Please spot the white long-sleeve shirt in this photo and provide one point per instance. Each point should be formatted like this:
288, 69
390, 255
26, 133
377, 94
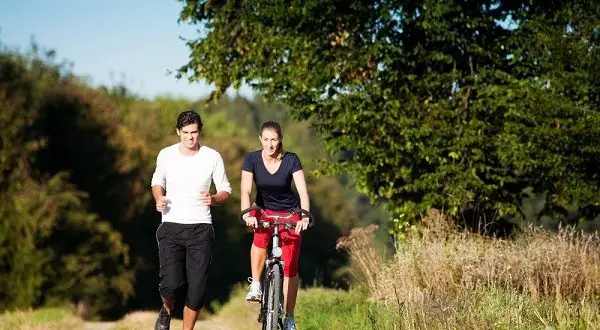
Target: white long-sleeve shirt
184, 178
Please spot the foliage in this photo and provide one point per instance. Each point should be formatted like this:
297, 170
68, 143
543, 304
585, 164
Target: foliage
459, 105
76, 214
53, 249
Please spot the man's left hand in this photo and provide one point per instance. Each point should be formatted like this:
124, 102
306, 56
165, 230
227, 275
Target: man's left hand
206, 198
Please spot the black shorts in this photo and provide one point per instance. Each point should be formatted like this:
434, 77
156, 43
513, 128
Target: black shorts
184, 253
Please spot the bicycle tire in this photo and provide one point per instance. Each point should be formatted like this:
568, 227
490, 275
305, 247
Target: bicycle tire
264, 299
273, 300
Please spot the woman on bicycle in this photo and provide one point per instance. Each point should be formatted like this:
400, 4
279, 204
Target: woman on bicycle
272, 170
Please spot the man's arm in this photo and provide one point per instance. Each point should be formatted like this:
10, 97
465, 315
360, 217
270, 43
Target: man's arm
219, 198
221, 183
158, 192
159, 182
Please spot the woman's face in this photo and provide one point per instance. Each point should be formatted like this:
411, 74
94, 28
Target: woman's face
270, 141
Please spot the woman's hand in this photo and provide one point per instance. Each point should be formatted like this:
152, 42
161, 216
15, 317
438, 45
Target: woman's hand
251, 222
301, 225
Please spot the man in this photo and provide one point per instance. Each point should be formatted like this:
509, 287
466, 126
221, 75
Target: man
180, 186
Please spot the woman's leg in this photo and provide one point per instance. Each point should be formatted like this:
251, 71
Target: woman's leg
290, 289
258, 257
258, 251
291, 252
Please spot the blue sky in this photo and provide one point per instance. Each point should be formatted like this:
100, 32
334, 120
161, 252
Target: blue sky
109, 41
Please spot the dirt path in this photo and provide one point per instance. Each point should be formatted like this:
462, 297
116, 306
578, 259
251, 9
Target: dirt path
98, 325
235, 315
175, 325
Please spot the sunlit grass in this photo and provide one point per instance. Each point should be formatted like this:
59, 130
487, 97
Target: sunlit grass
442, 278
50, 318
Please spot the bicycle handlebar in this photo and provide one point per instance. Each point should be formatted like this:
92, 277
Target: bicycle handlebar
311, 217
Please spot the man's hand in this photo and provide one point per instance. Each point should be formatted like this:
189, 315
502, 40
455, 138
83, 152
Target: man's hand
161, 204
251, 222
206, 198
301, 225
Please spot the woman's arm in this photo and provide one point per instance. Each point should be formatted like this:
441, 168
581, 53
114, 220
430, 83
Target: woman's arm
246, 189
300, 184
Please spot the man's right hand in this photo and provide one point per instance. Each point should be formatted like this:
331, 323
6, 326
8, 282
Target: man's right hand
251, 222
161, 204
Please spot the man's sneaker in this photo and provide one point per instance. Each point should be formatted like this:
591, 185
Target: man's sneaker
289, 323
163, 322
254, 291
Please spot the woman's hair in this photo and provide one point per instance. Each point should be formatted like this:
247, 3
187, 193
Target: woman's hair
273, 125
187, 118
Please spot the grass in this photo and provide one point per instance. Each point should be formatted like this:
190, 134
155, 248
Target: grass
317, 308
237, 313
326, 309
45, 318
441, 278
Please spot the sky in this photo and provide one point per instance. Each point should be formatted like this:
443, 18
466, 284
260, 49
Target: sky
134, 42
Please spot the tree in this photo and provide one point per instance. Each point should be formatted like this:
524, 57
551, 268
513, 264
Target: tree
52, 248
460, 105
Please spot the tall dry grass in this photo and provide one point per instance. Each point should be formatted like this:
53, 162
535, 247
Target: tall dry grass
444, 278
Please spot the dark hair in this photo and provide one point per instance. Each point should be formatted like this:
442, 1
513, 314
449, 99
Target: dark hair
188, 118
273, 125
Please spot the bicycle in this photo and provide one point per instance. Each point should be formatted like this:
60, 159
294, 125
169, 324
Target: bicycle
271, 302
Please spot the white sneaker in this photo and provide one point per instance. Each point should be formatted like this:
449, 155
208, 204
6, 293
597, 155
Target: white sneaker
254, 291
289, 323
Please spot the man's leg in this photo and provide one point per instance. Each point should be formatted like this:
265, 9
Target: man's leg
171, 254
199, 247
168, 304
189, 317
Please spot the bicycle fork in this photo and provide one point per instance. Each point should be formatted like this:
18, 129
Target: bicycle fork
273, 261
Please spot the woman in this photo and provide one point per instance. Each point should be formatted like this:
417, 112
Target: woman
272, 169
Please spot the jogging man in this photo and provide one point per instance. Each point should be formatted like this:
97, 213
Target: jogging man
180, 187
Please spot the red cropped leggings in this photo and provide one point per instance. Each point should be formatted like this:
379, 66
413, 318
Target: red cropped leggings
289, 241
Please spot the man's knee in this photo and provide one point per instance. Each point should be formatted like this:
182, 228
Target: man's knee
170, 286
195, 297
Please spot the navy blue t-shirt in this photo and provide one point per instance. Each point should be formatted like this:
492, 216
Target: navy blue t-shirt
274, 191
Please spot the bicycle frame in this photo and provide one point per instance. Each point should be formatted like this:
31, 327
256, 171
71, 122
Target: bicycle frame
272, 279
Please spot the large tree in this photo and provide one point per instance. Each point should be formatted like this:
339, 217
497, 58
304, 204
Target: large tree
52, 247
452, 104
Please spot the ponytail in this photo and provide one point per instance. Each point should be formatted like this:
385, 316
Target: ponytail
281, 151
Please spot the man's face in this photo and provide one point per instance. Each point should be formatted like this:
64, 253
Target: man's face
189, 135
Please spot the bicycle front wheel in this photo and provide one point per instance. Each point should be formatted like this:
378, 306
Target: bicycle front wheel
273, 299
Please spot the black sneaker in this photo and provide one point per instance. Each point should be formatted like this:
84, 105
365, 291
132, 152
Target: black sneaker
163, 322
